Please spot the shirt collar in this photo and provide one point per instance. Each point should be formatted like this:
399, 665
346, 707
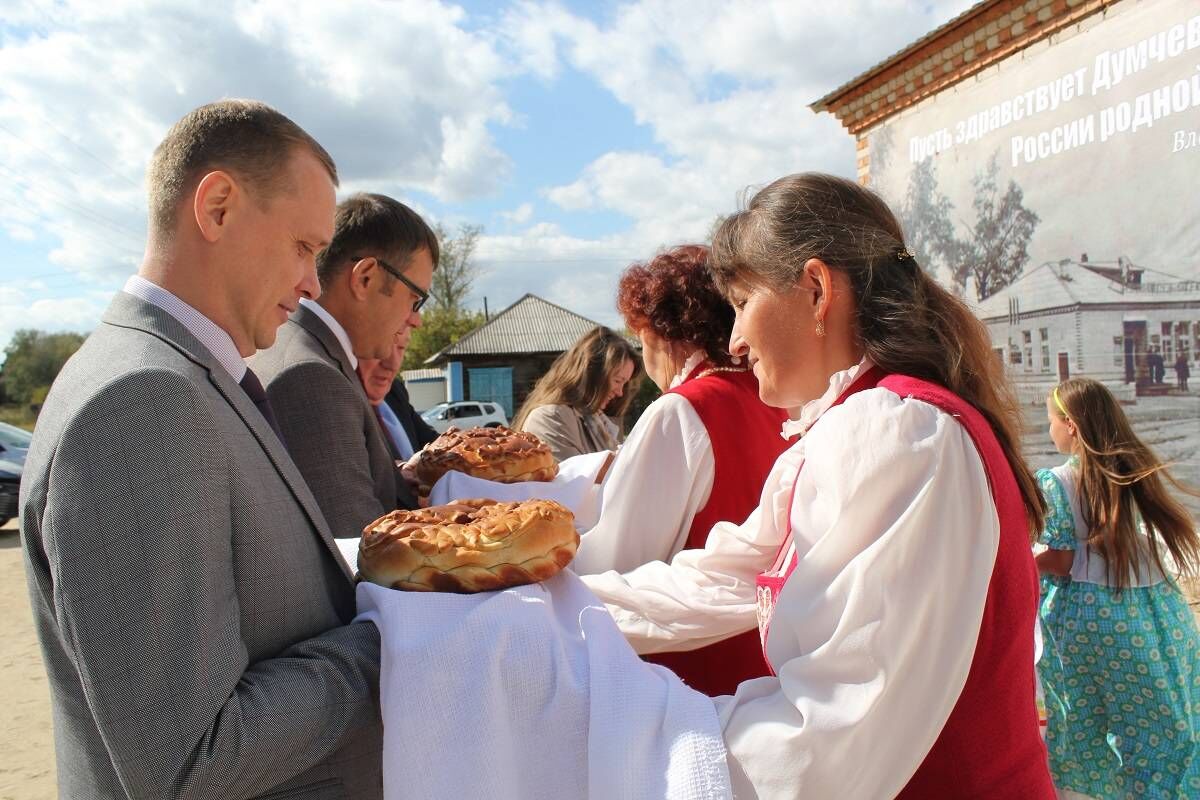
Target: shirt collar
338, 331
215, 338
693, 361
811, 411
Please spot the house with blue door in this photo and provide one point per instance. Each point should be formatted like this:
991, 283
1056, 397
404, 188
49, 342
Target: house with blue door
502, 359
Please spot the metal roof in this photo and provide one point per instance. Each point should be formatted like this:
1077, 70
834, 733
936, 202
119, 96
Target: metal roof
423, 374
530, 325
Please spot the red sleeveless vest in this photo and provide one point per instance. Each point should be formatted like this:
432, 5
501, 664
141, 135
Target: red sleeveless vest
990, 747
746, 440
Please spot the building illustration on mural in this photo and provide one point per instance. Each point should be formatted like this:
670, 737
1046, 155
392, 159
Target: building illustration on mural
1107, 321
1039, 155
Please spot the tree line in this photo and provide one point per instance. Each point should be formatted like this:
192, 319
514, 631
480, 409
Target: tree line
33, 358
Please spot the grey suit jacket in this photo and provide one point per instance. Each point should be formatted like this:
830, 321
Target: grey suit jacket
189, 597
329, 425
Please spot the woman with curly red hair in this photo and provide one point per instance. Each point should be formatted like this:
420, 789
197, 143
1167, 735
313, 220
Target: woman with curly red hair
698, 455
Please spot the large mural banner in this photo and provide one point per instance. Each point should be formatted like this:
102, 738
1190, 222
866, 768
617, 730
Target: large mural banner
1056, 191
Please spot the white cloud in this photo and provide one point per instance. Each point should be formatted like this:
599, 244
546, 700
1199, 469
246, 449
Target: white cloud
401, 94
405, 95
725, 88
578, 273
519, 215
80, 314
19, 232
575, 196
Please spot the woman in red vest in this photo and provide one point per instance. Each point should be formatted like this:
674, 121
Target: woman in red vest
888, 564
698, 455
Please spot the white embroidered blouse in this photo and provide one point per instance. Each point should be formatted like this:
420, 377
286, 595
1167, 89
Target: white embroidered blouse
874, 632
661, 478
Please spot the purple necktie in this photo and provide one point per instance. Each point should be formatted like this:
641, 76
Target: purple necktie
253, 388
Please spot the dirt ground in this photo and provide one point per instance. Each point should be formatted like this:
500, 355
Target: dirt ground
26, 740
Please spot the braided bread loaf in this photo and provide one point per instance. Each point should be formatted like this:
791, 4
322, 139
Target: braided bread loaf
494, 454
468, 546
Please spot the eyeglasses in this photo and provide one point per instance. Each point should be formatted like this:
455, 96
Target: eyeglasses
421, 294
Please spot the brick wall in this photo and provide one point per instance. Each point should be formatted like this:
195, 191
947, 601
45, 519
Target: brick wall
989, 32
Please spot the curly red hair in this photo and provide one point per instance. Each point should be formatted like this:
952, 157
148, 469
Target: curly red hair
674, 296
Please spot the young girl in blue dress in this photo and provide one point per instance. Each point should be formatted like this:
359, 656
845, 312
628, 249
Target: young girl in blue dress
1121, 664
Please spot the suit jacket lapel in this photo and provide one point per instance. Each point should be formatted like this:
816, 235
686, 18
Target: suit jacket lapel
317, 328
280, 458
128, 311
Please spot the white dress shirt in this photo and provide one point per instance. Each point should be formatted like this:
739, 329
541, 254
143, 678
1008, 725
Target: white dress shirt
662, 477
338, 331
874, 632
210, 334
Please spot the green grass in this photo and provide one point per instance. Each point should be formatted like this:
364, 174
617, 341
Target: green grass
21, 416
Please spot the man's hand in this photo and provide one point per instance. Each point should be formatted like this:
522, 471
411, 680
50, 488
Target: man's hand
408, 471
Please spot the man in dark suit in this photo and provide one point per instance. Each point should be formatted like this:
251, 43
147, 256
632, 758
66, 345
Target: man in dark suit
402, 426
192, 606
420, 432
374, 276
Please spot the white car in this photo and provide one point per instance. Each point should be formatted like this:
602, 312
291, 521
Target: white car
464, 414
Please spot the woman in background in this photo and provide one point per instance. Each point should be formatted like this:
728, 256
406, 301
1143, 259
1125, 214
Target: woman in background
698, 455
1121, 665
571, 407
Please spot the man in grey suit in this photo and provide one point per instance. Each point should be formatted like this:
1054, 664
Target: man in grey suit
374, 276
189, 597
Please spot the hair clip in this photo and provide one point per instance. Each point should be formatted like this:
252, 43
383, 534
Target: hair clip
904, 255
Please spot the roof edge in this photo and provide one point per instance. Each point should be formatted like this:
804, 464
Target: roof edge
433, 359
822, 104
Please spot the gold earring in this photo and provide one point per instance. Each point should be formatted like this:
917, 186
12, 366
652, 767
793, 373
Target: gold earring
820, 327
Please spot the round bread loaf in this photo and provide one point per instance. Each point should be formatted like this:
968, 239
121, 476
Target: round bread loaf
468, 546
494, 454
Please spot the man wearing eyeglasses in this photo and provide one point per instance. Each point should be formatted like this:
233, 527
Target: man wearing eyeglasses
374, 276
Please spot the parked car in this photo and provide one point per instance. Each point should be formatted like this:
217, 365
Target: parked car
464, 414
14, 444
10, 487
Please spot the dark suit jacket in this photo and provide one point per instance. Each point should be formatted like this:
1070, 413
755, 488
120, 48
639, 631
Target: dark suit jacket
418, 430
189, 597
329, 425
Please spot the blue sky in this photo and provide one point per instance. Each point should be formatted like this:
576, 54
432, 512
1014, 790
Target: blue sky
581, 136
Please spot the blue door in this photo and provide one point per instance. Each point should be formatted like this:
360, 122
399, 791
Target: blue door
494, 384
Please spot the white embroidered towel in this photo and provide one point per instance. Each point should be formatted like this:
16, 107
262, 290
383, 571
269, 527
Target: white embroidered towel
575, 487
533, 694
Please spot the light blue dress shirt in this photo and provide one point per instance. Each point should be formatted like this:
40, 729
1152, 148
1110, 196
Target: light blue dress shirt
395, 430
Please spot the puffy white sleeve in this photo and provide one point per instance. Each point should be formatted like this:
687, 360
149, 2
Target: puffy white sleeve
707, 594
874, 632
662, 476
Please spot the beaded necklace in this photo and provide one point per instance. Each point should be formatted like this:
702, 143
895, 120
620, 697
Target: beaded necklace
711, 370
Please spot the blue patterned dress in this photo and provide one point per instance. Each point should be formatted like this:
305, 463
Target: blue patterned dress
1120, 670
